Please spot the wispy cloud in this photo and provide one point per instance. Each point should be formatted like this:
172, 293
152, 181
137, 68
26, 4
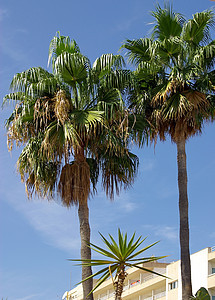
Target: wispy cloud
56, 224
148, 164
163, 232
168, 232
129, 206
125, 204
28, 297
127, 24
13, 53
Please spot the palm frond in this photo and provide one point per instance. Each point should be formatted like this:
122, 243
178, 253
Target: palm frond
108, 62
72, 67
138, 50
121, 253
197, 29
59, 45
36, 170
168, 23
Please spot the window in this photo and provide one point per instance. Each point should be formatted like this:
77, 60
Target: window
173, 285
213, 272
213, 297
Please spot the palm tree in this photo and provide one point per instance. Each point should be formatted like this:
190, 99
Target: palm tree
176, 94
69, 124
118, 256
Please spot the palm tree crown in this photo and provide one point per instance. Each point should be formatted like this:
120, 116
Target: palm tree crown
175, 71
73, 113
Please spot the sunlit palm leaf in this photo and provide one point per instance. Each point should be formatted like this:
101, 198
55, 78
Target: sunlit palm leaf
121, 253
197, 30
168, 23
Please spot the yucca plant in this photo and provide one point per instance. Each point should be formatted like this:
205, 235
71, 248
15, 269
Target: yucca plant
119, 254
201, 294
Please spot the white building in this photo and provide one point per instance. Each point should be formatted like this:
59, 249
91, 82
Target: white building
140, 285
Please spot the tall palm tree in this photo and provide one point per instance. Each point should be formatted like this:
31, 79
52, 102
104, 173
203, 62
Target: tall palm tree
176, 94
71, 125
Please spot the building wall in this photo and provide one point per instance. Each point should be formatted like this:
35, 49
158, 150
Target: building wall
140, 285
173, 271
199, 269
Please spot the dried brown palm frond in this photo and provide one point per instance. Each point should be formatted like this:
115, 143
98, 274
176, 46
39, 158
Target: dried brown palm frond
17, 136
18, 130
197, 99
74, 184
123, 124
180, 115
43, 109
177, 128
62, 106
34, 185
170, 88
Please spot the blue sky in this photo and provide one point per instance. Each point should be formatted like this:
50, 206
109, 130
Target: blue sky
38, 236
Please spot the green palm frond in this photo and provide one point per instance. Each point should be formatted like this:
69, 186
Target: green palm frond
197, 29
108, 62
59, 138
201, 294
59, 45
34, 81
86, 118
94, 172
16, 97
138, 50
119, 254
169, 50
38, 173
72, 67
110, 100
168, 23
205, 56
118, 171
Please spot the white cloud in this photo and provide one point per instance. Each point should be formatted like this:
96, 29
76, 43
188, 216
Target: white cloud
148, 164
58, 225
167, 232
127, 24
12, 52
163, 232
126, 205
129, 206
15, 54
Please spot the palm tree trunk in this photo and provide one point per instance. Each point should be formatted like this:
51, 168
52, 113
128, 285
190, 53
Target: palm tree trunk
184, 223
119, 284
83, 213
